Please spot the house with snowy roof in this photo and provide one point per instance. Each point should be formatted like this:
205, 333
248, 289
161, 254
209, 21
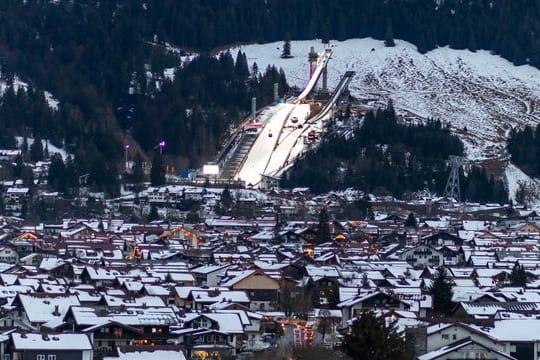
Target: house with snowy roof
204, 333
36, 310
61, 346
209, 275
201, 299
146, 352
262, 289
123, 326
363, 301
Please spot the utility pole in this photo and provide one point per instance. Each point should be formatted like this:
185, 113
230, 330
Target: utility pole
253, 109
161, 146
126, 148
452, 189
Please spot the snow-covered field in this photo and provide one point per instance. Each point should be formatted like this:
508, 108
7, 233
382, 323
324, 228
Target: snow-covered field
479, 95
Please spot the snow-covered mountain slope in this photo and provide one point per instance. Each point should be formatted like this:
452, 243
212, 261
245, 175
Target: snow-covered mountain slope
480, 95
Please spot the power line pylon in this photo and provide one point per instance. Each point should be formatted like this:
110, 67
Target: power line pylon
452, 189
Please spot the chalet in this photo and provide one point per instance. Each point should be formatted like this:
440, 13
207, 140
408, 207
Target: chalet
15, 197
466, 349
213, 331
354, 306
263, 290
290, 238
125, 326
107, 336
442, 238
423, 255
30, 346
8, 254
209, 275
32, 311
201, 299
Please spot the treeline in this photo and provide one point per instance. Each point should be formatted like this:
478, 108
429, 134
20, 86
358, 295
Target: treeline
386, 157
112, 89
524, 148
507, 27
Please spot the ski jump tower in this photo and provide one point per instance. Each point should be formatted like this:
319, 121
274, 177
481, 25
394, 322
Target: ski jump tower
312, 58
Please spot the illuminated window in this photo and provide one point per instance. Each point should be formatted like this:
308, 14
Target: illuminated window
117, 332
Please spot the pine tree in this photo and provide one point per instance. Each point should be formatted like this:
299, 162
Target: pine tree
323, 229
36, 150
226, 200
57, 173
286, 52
441, 291
370, 338
411, 221
153, 215
254, 71
157, 173
518, 276
389, 35
241, 65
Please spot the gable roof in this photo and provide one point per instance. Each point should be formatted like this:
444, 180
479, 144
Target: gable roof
439, 353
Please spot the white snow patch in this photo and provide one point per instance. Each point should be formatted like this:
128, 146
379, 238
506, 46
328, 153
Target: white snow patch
17, 84
169, 73
51, 101
52, 149
515, 177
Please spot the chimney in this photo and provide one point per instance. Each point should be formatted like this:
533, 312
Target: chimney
56, 310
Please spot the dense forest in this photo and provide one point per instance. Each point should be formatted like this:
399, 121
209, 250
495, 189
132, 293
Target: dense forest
114, 89
524, 148
387, 157
507, 27
109, 65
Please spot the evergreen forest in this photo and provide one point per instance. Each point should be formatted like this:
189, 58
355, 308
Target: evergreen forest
387, 157
524, 148
110, 64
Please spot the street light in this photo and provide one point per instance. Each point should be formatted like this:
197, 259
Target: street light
161, 146
126, 148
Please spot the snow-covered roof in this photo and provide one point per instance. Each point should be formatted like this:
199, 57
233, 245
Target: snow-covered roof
62, 341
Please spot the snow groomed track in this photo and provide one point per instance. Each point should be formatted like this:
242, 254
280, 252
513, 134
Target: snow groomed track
282, 135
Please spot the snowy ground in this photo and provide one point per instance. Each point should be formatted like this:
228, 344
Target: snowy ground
479, 95
517, 178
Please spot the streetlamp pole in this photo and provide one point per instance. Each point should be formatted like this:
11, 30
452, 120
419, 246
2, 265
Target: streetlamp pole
126, 148
161, 146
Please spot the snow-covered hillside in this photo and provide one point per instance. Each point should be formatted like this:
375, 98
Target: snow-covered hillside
481, 96
481, 92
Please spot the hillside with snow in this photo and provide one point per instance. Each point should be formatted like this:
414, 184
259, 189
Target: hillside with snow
479, 95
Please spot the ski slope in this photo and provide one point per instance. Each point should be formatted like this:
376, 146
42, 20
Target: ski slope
259, 156
290, 136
